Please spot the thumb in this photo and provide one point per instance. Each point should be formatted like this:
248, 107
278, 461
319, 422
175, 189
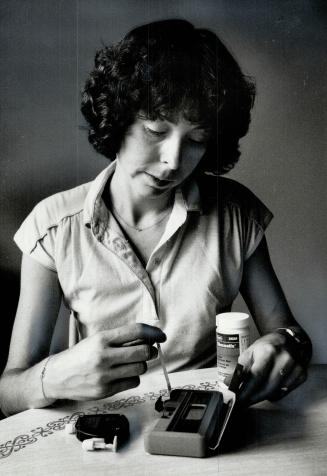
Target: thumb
246, 359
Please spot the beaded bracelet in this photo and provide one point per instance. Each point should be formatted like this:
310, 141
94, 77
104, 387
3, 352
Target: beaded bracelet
42, 377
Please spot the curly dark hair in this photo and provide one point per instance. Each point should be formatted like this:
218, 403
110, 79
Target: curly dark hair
163, 68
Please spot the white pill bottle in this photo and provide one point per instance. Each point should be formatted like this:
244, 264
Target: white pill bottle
233, 337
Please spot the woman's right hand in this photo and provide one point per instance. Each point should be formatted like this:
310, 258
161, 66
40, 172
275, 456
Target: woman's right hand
103, 364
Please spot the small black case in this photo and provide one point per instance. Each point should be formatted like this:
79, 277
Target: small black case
105, 426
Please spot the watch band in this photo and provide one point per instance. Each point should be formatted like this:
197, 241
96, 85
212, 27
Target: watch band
300, 344
290, 332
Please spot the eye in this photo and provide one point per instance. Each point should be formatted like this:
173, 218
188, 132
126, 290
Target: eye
153, 132
197, 141
198, 137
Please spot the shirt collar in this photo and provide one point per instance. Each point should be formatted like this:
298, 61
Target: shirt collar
191, 196
96, 214
94, 207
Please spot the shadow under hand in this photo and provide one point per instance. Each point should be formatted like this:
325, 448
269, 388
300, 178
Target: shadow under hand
257, 426
280, 423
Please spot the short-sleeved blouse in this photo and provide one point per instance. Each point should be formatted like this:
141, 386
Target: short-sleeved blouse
193, 273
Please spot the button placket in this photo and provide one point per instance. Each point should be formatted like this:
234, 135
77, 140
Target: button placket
117, 244
121, 247
149, 310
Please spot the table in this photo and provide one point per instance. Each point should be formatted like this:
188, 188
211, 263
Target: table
288, 437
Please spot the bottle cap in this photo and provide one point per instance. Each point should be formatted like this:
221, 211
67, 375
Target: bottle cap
232, 320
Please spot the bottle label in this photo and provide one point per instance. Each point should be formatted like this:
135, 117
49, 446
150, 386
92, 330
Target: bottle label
229, 347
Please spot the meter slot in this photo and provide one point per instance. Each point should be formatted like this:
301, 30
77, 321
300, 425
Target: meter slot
191, 409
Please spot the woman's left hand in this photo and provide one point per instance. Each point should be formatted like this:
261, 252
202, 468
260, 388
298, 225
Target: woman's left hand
272, 370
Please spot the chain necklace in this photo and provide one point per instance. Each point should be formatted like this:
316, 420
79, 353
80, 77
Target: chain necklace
137, 228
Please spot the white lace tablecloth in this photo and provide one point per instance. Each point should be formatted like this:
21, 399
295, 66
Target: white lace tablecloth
288, 437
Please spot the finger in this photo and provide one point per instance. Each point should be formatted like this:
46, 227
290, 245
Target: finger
121, 385
246, 359
281, 369
296, 378
133, 342
134, 332
255, 377
124, 371
113, 356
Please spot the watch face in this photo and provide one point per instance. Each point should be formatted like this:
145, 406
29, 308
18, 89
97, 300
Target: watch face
293, 334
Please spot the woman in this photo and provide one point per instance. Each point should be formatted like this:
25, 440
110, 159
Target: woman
155, 236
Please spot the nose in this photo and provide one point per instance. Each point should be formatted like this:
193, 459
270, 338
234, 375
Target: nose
171, 153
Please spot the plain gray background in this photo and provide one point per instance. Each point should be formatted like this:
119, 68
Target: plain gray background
47, 48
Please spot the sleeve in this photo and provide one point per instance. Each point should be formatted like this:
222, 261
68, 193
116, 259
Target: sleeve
250, 213
255, 224
36, 236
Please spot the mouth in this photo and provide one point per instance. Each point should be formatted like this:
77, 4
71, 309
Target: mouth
160, 182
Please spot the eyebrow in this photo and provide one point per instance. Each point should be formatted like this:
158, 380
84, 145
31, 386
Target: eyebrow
162, 118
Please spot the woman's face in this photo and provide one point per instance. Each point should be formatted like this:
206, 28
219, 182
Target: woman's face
157, 155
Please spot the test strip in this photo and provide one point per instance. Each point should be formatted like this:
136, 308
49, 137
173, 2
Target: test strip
163, 365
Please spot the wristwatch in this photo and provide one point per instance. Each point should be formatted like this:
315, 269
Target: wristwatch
300, 346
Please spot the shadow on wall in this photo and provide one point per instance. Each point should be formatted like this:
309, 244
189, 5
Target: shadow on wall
10, 295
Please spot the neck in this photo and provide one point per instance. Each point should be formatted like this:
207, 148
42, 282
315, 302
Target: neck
137, 210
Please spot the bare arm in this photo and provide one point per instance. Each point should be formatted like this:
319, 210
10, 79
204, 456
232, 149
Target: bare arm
273, 366
39, 302
96, 367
